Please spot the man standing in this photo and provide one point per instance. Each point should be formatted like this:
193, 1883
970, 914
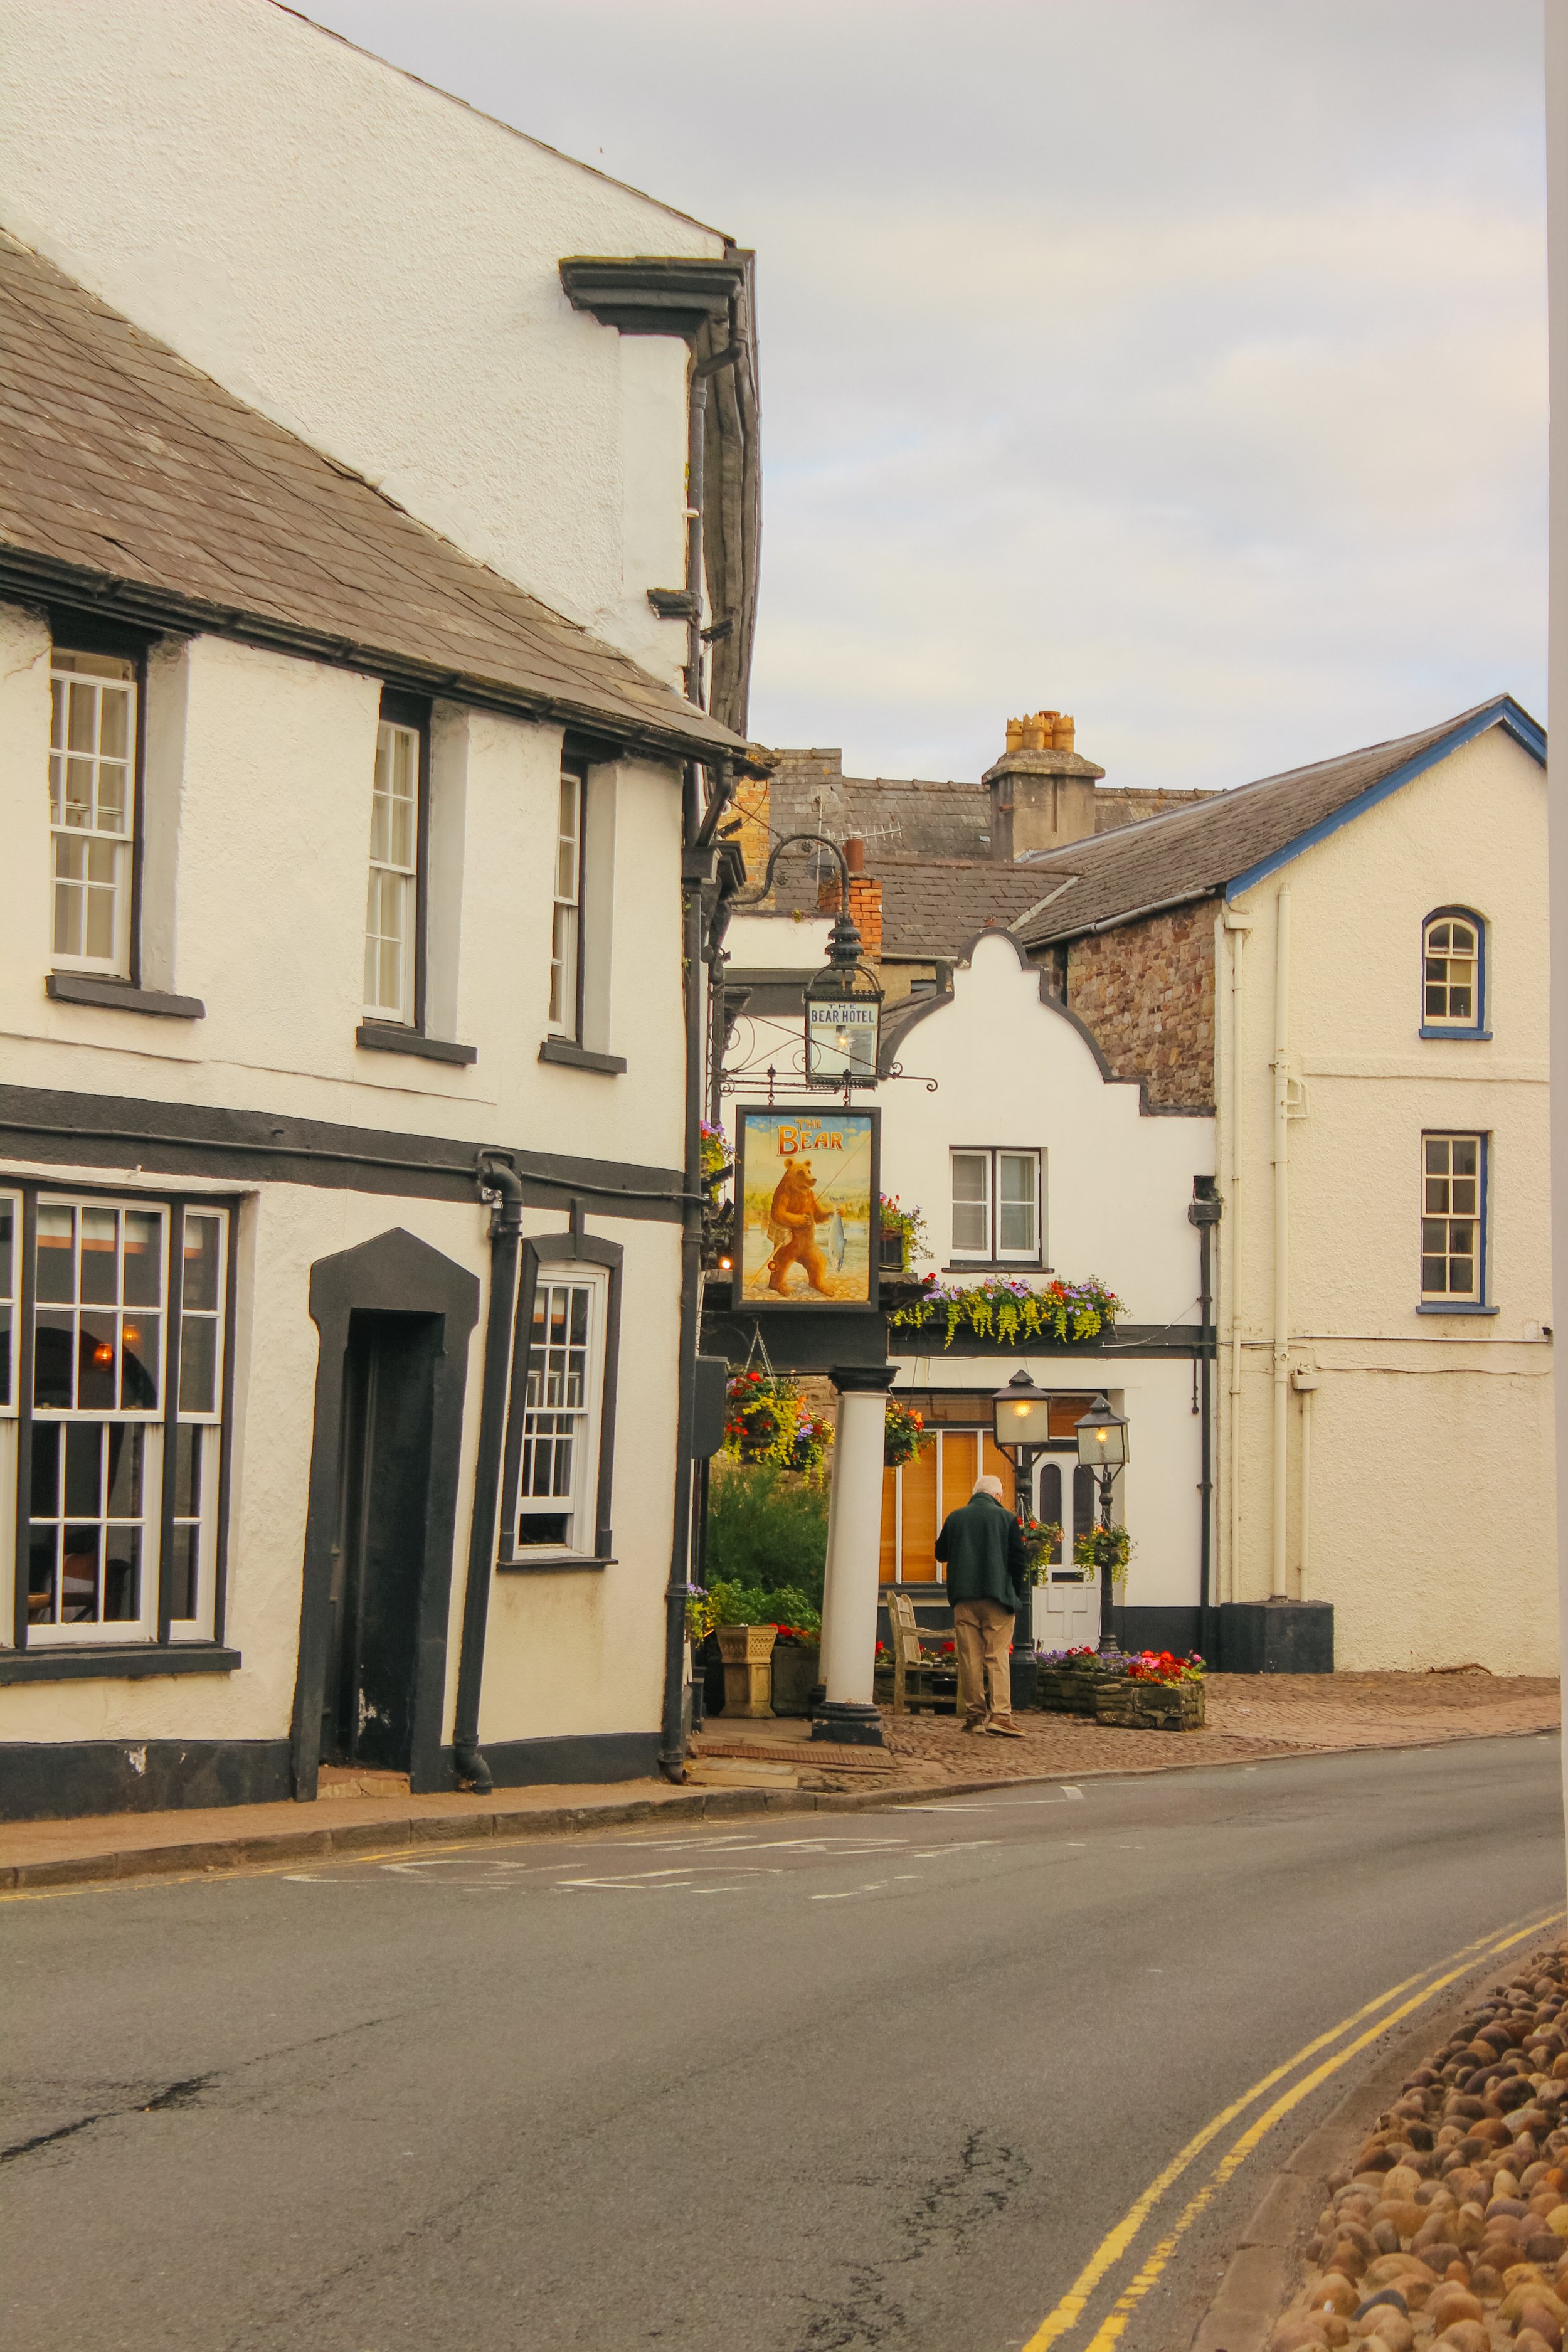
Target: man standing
987, 1583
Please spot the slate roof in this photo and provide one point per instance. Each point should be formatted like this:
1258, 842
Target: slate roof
931, 906
119, 462
1195, 852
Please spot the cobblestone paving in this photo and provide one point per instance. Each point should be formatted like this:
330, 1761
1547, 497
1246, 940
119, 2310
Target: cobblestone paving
1248, 1716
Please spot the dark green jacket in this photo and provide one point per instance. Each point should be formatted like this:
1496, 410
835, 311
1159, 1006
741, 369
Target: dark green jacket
983, 1544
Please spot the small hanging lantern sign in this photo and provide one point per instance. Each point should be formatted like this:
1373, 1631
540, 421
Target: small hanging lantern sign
843, 1016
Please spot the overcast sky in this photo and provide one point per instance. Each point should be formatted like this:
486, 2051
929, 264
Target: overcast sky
1179, 363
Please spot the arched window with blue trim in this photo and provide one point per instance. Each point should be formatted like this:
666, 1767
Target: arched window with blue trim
1453, 973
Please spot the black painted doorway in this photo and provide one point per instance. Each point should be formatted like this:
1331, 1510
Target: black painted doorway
378, 1546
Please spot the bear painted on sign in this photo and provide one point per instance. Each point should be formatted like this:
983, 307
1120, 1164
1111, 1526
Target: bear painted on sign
794, 1217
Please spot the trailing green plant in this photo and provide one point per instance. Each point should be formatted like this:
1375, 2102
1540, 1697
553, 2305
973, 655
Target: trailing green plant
903, 1433
702, 1616
716, 1155
766, 1529
1005, 1308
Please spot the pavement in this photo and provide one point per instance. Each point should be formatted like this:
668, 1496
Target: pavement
823, 2083
746, 1766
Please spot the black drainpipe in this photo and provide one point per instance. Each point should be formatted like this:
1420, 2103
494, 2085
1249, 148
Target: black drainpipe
673, 1749
1205, 1213
502, 1181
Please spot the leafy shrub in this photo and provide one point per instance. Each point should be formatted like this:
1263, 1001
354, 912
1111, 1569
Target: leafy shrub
767, 1531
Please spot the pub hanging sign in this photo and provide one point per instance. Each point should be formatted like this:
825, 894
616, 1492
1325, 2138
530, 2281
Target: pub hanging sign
807, 1189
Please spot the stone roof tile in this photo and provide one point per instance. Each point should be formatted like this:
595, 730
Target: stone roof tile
120, 461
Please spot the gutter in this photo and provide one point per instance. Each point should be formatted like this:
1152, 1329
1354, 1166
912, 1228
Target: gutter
1134, 915
42, 580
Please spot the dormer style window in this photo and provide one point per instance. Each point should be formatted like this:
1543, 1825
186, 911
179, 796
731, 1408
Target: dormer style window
93, 810
1453, 974
399, 824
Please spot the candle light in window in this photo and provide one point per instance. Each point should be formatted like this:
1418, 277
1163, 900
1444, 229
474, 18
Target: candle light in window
104, 1354
131, 1334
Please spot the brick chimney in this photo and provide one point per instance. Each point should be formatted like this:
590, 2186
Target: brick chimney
1042, 793
865, 899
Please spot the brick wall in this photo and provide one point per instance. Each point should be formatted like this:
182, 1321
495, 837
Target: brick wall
865, 909
1147, 992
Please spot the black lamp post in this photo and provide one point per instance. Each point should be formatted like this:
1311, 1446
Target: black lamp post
1021, 1424
844, 999
1102, 1448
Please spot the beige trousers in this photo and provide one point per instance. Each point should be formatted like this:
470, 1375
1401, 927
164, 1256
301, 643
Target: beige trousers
981, 1632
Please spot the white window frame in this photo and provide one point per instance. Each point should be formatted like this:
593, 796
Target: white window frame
993, 1157
61, 1633
90, 768
394, 882
565, 1009
1453, 1024
1436, 1197
581, 1503
206, 1422
205, 1417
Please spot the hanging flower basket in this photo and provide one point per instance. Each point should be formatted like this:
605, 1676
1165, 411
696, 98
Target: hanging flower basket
903, 1433
767, 1422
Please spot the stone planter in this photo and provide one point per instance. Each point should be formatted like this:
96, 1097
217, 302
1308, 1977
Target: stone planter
1115, 1701
1171, 1706
747, 1651
1061, 1693
797, 1669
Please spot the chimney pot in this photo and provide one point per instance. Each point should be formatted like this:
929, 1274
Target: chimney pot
855, 853
1035, 733
1014, 735
1063, 732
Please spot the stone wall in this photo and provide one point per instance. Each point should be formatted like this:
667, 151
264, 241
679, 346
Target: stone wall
1147, 992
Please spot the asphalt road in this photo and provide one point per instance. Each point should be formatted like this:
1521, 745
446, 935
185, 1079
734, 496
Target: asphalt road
804, 2084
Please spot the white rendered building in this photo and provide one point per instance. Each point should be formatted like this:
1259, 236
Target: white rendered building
348, 782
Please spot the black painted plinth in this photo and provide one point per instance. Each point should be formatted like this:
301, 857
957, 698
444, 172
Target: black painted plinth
847, 1724
1277, 1637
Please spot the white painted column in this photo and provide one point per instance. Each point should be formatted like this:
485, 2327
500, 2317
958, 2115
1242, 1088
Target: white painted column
854, 1559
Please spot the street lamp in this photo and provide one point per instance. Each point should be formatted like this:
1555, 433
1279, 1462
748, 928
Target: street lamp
1021, 1424
1102, 1448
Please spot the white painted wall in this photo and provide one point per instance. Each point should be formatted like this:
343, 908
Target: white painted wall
262, 783
574, 1653
1014, 1070
1431, 1480
373, 264
264, 839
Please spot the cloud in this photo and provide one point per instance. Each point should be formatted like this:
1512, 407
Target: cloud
1177, 361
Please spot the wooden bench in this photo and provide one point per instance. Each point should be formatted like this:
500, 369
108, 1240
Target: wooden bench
914, 1668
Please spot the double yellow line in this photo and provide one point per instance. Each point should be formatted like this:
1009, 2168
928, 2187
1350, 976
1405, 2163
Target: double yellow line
1388, 2010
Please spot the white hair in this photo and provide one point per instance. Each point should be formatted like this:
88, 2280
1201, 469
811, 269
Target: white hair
987, 1484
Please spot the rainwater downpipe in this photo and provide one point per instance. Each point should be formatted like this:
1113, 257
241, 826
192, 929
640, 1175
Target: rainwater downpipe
1281, 1065
696, 428
672, 1746
506, 1239
1238, 927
